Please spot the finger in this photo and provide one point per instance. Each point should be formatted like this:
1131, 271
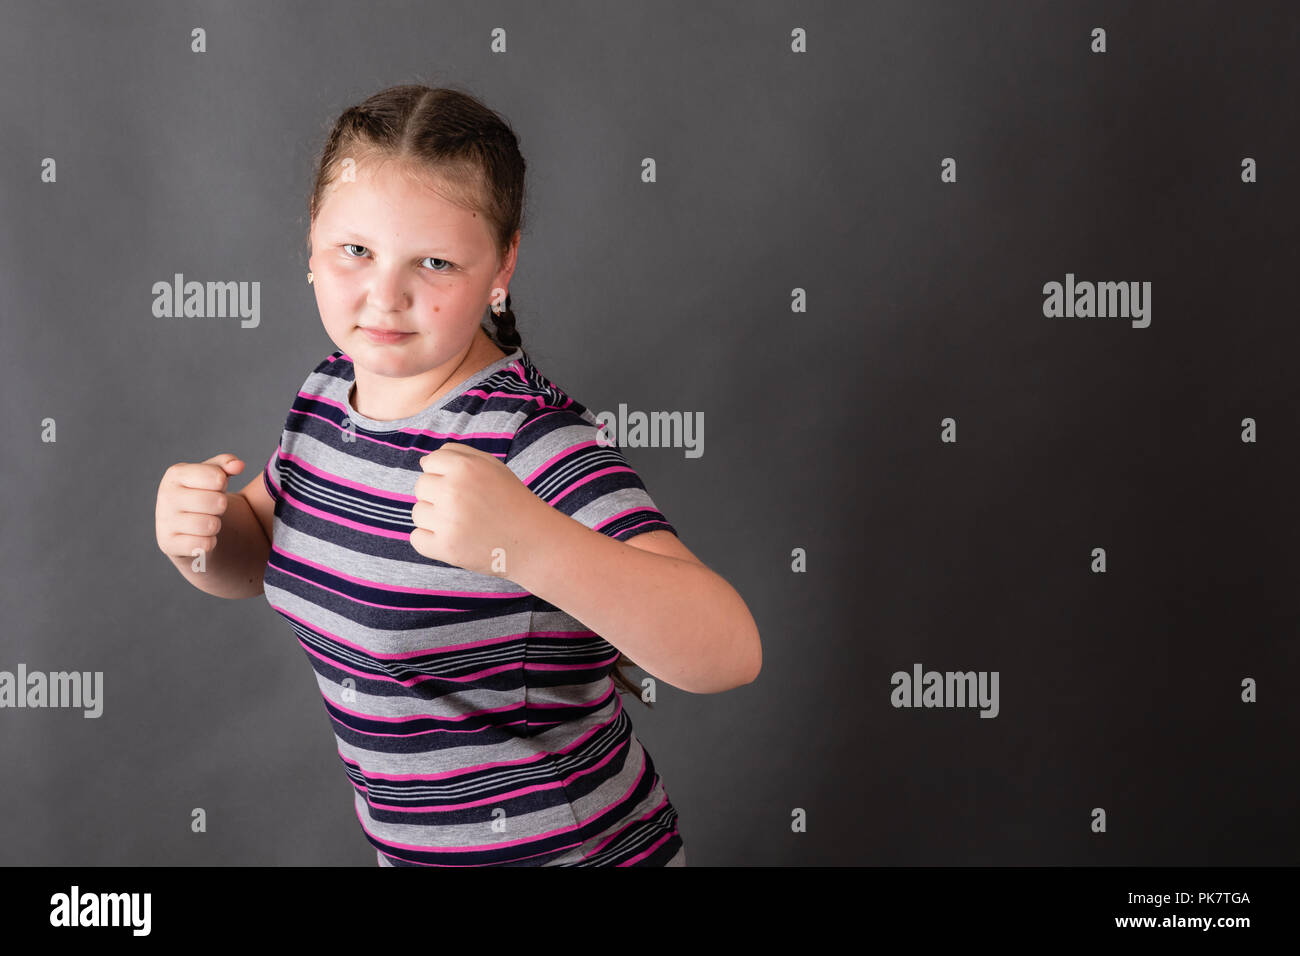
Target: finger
204, 476
203, 526
423, 541
426, 488
224, 459
448, 456
201, 502
463, 450
422, 515
230, 464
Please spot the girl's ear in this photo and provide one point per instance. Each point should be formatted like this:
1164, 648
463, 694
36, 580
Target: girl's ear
508, 263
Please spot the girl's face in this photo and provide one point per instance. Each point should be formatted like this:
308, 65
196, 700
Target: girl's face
390, 254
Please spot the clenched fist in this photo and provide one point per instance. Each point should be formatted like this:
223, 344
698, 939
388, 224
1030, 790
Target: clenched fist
191, 501
469, 504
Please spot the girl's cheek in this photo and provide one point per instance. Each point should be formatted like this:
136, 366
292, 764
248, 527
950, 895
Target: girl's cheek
339, 285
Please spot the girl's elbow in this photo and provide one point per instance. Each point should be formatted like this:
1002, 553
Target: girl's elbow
756, 660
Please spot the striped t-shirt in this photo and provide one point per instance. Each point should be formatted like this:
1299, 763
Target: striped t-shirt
477, 724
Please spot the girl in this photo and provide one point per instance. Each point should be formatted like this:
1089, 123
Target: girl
457, 548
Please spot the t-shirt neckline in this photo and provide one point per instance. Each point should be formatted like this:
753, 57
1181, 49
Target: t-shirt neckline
397, 424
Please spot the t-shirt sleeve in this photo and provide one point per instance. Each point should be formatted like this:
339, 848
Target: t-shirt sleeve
564, 459
275, 472
271, 474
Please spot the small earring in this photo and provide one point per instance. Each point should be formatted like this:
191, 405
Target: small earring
309, 278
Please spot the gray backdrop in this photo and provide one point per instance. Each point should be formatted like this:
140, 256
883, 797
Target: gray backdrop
777, 170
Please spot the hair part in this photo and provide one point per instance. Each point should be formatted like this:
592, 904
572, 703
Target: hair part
465, 152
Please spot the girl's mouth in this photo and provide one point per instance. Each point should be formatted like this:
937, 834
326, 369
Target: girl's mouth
383, 337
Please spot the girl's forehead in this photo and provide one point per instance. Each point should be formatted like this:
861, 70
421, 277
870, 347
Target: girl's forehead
413, 183
401, 173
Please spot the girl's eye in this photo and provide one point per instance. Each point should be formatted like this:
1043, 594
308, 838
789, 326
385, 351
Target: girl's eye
352, 245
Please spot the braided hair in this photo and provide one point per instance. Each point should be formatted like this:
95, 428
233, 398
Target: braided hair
503, 331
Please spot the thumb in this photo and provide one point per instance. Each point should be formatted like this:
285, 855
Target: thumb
231, 464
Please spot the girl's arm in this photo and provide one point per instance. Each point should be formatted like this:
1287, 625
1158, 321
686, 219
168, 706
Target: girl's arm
650, 598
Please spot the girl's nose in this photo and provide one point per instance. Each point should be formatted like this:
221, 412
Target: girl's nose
390, 293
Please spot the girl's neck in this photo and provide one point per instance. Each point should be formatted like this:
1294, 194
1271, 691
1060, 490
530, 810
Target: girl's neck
393, 407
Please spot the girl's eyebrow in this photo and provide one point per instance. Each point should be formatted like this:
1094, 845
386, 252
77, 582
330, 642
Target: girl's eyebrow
365, 240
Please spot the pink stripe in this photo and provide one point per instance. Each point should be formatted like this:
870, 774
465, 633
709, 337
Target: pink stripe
558, 456
610, 756
613, 518
401, 720
342, 666
524, 790
654, 846
378, 441
592, 477
512, 794
536, 788
406, 431
356, 526
614, 469
522, 761
270, 474
344, 482
465, 678
516, 368
439, 808
587, 735
480, 393
369, 438
486, 642
532, 666
438, 776
633, 527
405, 683
582, 633
397, 589
320, 587
459, 849
542, 417
397, 657
631, 823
